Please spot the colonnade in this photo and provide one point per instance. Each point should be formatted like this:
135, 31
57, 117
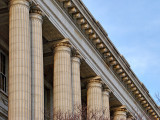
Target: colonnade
26, 81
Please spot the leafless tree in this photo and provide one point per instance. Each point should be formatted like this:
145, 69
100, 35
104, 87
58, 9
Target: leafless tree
79, 113
82, 113
158, 97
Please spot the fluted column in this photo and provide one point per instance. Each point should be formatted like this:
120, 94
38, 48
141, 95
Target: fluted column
94, 99
62, 88
76, 84
120, 113
106, 108
19, 61
37, 64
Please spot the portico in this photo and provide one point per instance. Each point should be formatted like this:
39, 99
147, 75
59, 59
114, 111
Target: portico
60, 60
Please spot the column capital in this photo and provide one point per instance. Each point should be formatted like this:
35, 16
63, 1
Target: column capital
36, 13
63, 42
76, 57
22, 2
120, 110
106, 91
94, 82
36, 9
76, 54
62, 45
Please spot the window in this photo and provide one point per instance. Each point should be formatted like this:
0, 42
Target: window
2, 72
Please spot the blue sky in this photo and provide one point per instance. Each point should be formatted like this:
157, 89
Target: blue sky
134, 28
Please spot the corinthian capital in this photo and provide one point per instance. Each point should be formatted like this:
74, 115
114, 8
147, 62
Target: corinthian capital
75, 53
63, 42
21, 2
35, 9
121, 108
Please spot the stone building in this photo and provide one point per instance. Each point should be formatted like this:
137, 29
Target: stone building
54, 56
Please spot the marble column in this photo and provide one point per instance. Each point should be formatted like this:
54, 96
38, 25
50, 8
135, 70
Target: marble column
76, 84
106, 107
62, 87
120, 113
94, 99
37, 64
19, 61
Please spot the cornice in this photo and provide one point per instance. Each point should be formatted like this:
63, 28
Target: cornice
99, 38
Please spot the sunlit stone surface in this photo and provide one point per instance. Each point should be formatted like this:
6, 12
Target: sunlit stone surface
19, 61
62, 79
37, 65
94, 98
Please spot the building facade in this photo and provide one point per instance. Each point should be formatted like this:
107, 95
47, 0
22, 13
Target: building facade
56, 60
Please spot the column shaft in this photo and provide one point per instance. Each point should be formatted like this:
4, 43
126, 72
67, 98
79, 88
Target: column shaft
19, 61
37, 67
76, 84
106, 109
62, 80
94, 99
